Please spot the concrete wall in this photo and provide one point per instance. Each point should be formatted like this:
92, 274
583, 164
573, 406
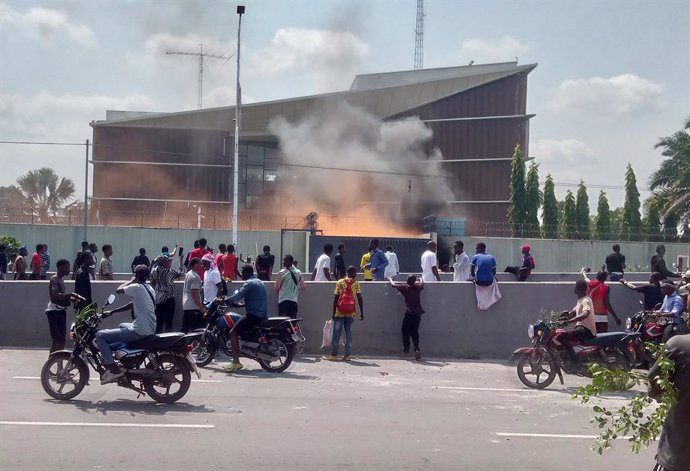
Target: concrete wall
451, 327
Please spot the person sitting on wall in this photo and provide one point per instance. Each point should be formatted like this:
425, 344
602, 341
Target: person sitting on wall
521, 273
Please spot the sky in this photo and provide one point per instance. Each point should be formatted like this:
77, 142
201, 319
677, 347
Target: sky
612, 76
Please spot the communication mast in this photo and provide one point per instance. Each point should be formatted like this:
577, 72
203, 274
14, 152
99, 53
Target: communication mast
201, 54
419, 37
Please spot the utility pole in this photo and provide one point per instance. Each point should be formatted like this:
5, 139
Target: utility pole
419, 37
86, 193
201, 54
236, 163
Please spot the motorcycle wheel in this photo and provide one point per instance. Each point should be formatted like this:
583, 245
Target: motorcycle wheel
280, 364
538, 365
204, 350
173, 383
63, 379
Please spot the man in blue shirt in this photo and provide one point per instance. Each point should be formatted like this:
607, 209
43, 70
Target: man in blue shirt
672, 307
256, 306
378, 261
483, 267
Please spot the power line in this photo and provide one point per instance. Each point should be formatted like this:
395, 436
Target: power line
44, 143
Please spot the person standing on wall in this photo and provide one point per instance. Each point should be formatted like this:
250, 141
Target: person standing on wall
19, 268
192, 308
393, 267
322, 268
365, 266
45, 262
429, 264
36, 263
411, 291
289, 282
162, 281
615, 264
264, 264
461, 264
378, 261
77, 259
56, 311
93, 250
105, 270
340, 267
222, 250
82, 280
658, 264
598, 292
230, 269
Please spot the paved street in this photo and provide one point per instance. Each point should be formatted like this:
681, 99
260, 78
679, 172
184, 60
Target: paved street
371, 413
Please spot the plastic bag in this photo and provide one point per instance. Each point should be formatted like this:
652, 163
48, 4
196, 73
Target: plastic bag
328, 335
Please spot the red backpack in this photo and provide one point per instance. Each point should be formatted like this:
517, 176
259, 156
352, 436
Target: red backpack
346, 300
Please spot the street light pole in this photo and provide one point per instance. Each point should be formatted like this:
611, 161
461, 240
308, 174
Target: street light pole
238, 103
86, 192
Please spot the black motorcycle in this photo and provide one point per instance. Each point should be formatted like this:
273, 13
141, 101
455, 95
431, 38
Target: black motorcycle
159, 365
272, 343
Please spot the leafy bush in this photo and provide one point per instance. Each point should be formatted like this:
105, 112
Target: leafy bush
11, 243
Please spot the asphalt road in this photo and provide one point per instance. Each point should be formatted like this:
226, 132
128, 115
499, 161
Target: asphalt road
372, 413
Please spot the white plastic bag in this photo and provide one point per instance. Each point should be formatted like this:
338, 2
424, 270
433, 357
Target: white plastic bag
328, 335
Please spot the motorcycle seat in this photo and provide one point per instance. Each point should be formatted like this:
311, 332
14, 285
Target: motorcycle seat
272, 322
608, 339
157, 342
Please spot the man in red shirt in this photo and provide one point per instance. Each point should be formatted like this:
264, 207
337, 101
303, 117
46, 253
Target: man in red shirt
222, 249
599, 293
229, 265
36, 263
199, 253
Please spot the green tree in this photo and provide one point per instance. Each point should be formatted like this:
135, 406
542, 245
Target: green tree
602, 223
670, 183
569, 223
582, 212
517, 209
45, 192
534, 198
550, 211
631, 223
11, 244
652, 220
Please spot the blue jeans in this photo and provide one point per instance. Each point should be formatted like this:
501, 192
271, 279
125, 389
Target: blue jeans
338, 324
107, 336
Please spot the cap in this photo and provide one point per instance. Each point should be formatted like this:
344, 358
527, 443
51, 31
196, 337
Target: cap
526, 246
23, 247
207, 258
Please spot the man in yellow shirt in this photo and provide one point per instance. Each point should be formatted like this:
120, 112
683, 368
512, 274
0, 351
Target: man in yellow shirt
344, 312
365, 267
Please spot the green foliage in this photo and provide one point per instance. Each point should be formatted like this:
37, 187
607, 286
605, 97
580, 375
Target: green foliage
640, 419
45, 193
83, 313
631, 223
582, 213
534, 198
517, 209
602, 223
652, 220
569, 223
550, 210
11, 244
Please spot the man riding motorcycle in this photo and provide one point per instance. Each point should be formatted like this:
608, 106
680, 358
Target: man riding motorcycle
256, 306
583, 316
144, 324
672, 307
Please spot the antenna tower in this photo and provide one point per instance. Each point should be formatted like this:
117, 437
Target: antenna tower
201, 54
419, 37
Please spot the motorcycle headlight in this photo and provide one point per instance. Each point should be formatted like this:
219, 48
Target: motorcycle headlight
628, 323
530, 331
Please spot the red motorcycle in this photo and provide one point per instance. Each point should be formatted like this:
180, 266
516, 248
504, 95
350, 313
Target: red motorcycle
548, 357
650, 327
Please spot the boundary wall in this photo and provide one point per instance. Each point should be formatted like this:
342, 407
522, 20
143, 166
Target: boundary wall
452, 326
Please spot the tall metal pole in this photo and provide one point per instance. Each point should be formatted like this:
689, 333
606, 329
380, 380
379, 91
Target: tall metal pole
86, 192
236, 164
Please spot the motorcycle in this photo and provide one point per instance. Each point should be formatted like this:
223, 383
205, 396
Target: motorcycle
548, 357
272, 343
159, 365
651, 328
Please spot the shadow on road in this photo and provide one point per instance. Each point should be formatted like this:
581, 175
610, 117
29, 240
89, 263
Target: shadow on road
133, 406
261, 374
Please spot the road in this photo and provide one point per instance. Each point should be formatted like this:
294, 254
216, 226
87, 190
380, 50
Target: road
372, 413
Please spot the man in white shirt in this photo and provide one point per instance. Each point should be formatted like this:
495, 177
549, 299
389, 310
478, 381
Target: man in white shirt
429, 262
322, 269
212, 281
393, 267
461, 266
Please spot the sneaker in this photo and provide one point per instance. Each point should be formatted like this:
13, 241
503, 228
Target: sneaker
405, 354
233, 367
346, 357
330, 357
417, 355
109, 376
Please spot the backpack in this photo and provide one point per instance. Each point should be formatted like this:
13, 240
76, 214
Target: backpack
346, 300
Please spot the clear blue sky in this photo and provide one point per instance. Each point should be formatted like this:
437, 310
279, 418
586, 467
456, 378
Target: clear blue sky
612, 75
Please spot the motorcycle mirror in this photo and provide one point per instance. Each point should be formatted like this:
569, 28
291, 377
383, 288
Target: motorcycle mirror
111, 300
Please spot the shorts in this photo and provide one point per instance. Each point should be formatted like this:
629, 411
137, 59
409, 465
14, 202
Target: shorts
247, 323
288, 308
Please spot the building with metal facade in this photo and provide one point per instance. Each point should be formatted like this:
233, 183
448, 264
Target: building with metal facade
161, 165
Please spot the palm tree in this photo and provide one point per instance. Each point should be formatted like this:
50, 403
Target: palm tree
671, 182
45, 192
